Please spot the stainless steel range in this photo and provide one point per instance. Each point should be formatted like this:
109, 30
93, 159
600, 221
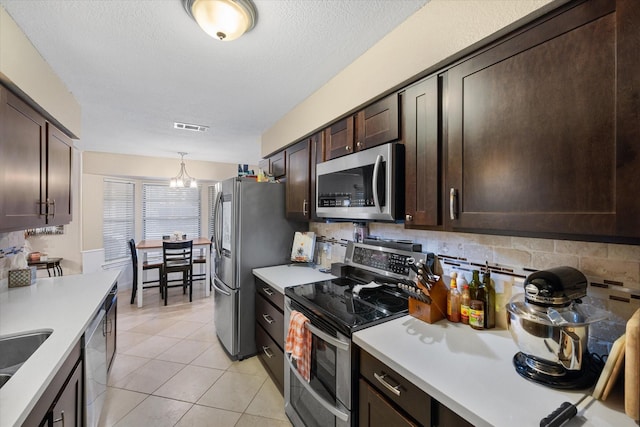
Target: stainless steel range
337, 308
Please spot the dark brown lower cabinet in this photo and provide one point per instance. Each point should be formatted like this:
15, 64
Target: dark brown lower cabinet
62, 403
376, 411
386, 398
270, 331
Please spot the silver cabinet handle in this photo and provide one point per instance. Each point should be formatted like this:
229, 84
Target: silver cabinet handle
53, 203
358, 144
60, 419
267, 291
305, 207
453, 195
268, 318
348, 148
382, 379
408, 218
267, 351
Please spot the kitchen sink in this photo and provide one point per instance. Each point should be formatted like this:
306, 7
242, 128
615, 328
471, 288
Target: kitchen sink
16, 349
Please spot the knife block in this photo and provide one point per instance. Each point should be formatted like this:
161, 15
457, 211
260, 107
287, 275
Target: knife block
435, 311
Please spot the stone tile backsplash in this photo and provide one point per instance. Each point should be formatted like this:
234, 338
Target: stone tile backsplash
613, 270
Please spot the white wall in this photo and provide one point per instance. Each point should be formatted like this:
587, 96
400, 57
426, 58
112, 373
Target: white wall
25, 71
440, 29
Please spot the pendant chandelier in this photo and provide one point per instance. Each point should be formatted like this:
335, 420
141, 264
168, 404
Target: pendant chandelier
183, 179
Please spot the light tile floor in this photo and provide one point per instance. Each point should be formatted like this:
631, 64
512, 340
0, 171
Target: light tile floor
171, 370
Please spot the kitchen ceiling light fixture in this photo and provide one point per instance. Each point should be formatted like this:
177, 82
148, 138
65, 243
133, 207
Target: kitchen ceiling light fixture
224, 20
183, 179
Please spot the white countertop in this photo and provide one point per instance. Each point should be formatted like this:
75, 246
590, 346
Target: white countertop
283, 276
471, 372
65, 305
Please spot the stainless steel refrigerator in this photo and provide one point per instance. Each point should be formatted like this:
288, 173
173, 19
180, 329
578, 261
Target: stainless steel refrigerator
250, 231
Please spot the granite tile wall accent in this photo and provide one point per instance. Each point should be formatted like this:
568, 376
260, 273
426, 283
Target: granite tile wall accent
613, 270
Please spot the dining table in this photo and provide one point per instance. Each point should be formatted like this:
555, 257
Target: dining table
144, 247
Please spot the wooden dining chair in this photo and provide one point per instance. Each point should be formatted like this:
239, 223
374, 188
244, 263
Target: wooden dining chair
201, 259
177, 258
146, 265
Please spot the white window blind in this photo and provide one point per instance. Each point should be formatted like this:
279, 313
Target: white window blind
212, 206
118, 218
165, 210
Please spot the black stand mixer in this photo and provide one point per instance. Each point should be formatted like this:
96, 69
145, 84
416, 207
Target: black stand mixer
550, 325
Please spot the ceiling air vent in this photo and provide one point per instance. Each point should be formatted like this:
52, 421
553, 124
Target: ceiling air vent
187, 126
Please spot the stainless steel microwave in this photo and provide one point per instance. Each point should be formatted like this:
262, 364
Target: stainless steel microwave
367, 185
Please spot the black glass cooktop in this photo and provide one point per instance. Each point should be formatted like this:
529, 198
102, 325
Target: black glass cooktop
334, 302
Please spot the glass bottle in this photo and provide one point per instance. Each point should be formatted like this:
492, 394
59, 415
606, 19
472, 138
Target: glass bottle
477, 306
474, 284
465, 299
490, 301
453, 300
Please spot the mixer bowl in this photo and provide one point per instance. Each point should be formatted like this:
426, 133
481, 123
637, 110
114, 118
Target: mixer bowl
556, 335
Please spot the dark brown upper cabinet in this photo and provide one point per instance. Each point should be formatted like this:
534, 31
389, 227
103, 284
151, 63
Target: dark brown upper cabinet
298, 190
35, 173
543, 129
376, 124
423, 171
340, 138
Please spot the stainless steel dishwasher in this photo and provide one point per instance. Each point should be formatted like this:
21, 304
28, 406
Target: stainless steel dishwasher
95, 380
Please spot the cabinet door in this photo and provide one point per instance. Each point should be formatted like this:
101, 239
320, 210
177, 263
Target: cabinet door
23, 166
67, 411
541, 130
422, 154
59, 157
339, 138
277, 164
297, 191
317, 156
378, 123
376, 411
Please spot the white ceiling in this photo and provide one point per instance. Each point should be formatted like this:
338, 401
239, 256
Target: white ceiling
138, 66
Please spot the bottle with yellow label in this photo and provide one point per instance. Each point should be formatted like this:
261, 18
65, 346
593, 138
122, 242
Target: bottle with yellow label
453, 300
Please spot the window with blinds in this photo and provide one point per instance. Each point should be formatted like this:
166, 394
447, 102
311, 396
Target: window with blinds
118, 218
166, 209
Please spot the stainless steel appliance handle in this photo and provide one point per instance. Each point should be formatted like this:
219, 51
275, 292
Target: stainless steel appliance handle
267, 291
217, 230
323, 335
575, 359
328, 338
376, 167
326, 405
222, 291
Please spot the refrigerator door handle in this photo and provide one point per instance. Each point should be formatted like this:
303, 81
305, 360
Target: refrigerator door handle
217, 227
219, 289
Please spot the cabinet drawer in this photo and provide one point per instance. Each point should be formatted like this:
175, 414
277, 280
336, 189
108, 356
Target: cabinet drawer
413, 400
270, 294
271, 319
271, 356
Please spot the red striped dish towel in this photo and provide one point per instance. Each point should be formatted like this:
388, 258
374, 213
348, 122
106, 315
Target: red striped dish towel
299, 343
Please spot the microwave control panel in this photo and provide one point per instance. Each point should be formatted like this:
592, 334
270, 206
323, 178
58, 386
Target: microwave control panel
340, 200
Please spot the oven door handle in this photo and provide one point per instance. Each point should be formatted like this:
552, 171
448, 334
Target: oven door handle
326, 405
342, 345
326, 337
